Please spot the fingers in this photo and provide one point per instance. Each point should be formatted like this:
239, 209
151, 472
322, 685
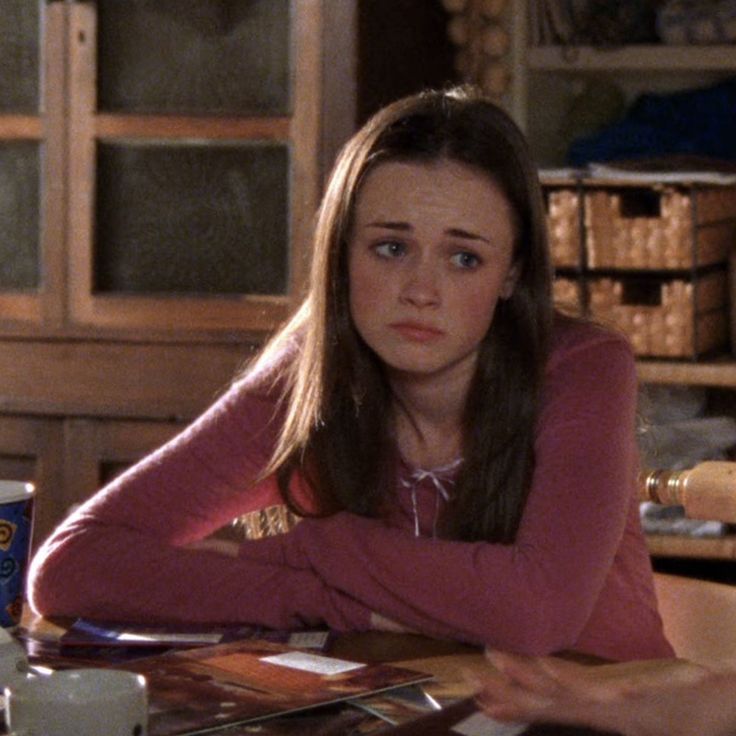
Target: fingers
518, 689
529, 673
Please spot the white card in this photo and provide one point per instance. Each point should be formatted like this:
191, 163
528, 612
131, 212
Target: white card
481, 725
312, 663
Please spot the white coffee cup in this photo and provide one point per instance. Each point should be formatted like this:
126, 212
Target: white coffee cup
81, 702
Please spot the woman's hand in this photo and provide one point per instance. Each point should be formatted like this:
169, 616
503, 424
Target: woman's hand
644, 698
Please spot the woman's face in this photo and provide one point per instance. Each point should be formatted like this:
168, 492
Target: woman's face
430, 255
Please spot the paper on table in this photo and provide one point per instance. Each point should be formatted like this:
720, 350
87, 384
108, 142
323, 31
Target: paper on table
312, 663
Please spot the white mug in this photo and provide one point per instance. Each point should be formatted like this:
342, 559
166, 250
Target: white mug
81, 702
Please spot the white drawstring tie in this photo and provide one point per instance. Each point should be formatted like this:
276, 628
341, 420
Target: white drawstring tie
438, 478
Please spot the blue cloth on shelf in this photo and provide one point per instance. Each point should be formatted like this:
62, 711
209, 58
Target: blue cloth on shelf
700, 122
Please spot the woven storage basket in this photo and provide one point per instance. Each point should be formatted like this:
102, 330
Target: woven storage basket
563, 226
667, 227
674, 318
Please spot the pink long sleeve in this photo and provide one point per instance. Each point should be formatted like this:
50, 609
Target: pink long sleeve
120, 555
578, 575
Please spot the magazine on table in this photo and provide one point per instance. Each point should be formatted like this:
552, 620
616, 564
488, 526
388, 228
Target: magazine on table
89, 642
196, 690
85, 632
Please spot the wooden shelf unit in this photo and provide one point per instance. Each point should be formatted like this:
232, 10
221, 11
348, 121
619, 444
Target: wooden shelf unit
644, 58
545, 80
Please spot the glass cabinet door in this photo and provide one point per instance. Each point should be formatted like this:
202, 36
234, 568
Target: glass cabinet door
21, 157
191, 127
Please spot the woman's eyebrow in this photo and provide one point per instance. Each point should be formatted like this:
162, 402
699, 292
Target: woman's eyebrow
389, 225
460, 233
456, 232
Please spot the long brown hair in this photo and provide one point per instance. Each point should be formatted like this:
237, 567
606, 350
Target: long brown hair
337, 431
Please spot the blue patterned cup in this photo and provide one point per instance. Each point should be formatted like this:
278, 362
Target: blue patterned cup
16, 522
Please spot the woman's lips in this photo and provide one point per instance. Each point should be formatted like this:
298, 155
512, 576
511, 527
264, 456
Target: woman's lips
416, 331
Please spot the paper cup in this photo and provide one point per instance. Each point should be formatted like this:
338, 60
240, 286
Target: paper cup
16, 522
82, 702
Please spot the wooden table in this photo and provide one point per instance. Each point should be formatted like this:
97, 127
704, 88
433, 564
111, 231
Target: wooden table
446, 661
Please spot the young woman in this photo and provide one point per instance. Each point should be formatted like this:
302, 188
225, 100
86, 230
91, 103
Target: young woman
462, 459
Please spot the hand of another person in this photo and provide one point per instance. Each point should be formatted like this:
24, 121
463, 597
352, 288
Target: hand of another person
642, 698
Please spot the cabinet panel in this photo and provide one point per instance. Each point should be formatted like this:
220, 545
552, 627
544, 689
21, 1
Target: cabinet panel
19, 56
32, 125
192, 219
230, 181
218, 120
19, 215
193, 57
69, 459
95, 451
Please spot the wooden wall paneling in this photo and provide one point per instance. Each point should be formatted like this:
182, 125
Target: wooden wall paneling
81, 476
115, 379
95, 449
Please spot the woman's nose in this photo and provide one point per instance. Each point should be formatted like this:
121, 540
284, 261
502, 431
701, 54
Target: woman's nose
421, 286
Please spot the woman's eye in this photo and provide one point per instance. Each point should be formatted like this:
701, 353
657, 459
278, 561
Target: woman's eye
390, 249
465, 260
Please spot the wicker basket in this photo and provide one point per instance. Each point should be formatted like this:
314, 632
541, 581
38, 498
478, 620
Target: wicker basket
670, 227
563, 227
674, 318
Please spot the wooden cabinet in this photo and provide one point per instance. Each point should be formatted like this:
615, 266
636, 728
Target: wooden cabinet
161, 167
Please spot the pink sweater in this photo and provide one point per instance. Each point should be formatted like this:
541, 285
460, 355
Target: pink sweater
577, 577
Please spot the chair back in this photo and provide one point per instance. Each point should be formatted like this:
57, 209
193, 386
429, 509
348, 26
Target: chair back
707, 491
699, 617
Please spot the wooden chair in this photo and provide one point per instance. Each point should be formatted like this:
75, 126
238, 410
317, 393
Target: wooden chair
699, 617
707, 491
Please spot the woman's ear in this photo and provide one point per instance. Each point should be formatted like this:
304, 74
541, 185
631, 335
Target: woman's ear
509, 283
